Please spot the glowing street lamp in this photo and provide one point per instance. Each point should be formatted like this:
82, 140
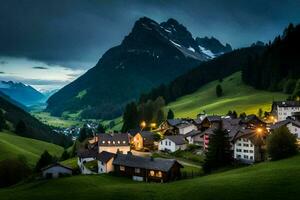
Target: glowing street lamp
259, 131
153, 125
143, 124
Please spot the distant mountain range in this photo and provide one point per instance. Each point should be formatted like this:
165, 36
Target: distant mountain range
151, 54
21, 93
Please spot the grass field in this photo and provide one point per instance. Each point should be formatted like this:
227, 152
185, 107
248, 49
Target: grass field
12, 146
237, 96
46, 118
271, 180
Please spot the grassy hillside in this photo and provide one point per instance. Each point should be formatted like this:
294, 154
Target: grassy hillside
11, 146
273, 180
237, 96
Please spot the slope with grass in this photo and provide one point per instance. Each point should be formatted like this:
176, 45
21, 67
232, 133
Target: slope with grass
271, 180
237, 96
13, 146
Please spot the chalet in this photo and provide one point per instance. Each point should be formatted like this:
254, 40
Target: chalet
142, 140
283, 109
172, 143
56, 170
170, 126
184, 128
249, 146
252, 122
291, 124
114, 142
146, 169
212, 121
195, 137
85, 156
105, 162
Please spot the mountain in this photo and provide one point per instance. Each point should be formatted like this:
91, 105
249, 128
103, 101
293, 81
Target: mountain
33, 127
151, 54
24, 94
212, 47
7, 98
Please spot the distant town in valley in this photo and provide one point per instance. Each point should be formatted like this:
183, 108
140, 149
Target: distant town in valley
149, 100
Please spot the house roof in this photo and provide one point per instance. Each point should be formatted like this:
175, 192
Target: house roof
55, 165
175, 122
286, 103
184, 125
284, 123
117, 139
177, 139
251, 135
192, 133
147, 135
213, 118
130, 160
105, 156
197, 121
87, 153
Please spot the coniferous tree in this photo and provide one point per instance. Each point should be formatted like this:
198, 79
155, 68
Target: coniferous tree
45, 159
219, 90
170, 114
218, 154
130, 117
84, 133
260, 113
160, 116
65, 155
281, 144
101, 128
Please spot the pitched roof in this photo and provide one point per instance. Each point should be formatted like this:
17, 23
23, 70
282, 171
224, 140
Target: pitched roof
105, 156
286, 103
56, 164
184, 125
251, 135
87, 153
117, 139
284, 123
175, 122
147, 135
177, 139
130, 160
192, 133
197, 121
213, 118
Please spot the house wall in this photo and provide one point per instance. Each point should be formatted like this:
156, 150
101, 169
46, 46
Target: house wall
105, 167
294, 129
187, 129
245, 151
169, 145
284, 112
138, 141
114, 149
83, 169
55, 171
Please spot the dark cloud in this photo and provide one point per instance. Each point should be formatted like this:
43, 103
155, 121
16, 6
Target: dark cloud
40, 67
76, 33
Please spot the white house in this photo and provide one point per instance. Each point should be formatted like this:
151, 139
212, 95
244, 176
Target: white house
105, 162
172, 143
118, 142
283, 109
186, 128
292, 125
56, 170
248, 146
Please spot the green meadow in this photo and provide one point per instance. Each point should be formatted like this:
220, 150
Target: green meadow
237, 96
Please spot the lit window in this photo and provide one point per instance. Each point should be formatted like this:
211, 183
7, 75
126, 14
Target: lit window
124, 142
108, 142
118, 142
137, 170
122, 168
103, 142
152, 173
114, 142
159, 174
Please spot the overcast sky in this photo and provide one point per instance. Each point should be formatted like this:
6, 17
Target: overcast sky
49, 43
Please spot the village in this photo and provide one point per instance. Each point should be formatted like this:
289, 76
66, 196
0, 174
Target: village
132, 154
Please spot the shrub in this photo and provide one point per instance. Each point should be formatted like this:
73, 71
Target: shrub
281, 144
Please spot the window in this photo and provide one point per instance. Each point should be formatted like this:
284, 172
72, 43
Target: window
238, 156
169, 143
122, 168
238, 150
159, 174
161, 142
103, 142
246, 157
251, 151
124, 142
246, 145
137, 170
239, 144
101, 170
152, 173
118, 142
108, 142
166, 143
251, 157
245, 151
114, 142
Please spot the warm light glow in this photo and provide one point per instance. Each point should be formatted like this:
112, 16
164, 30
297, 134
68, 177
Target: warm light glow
259, 130
153, 125
143, 124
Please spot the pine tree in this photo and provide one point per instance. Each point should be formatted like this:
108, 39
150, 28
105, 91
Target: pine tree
45, 159
160, 116
218, 154
83, 134
170, 114
101, 128
219, 90
130, 117
260, 113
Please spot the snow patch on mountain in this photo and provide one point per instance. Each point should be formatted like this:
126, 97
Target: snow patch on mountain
207, 52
